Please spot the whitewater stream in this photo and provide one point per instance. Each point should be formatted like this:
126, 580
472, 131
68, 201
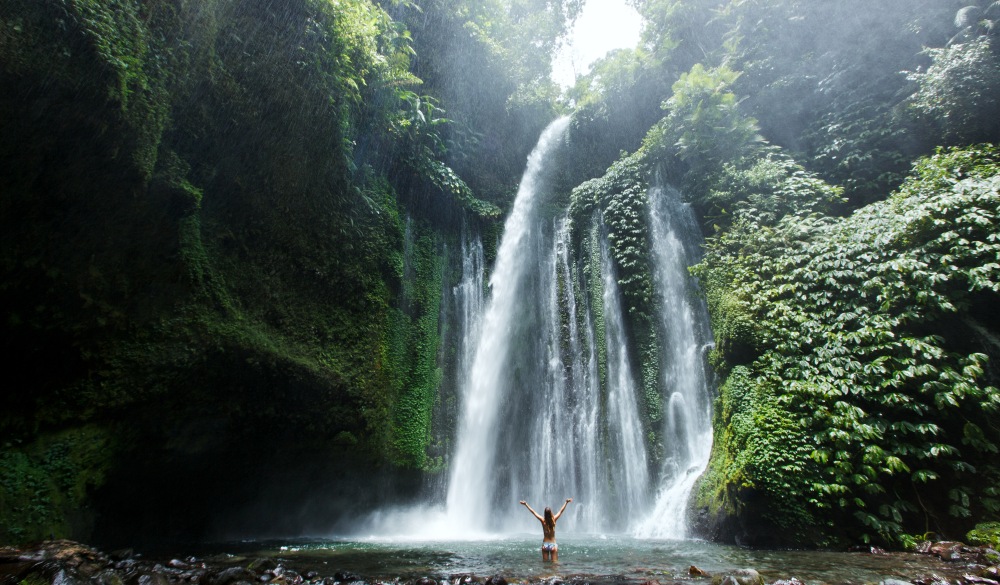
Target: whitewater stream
538, 418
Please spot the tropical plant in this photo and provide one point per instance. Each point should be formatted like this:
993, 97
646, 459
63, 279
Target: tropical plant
958, 93
868, 330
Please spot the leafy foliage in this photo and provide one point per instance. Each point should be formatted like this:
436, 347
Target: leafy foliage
958, 92
620, 197
704, 125
840, 314
42, 485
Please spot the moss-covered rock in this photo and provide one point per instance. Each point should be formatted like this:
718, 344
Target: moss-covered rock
985, 534
193, 243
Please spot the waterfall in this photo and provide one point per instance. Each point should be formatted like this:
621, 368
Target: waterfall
687, 429
469, 299
536, 422
480, 485
627, 450
548, 400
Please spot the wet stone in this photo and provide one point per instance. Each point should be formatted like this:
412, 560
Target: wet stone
153, 578
792, 581
259, 565
739, 577
107, 577
233, 575
977, 580
67, 577
947, 550
894, 582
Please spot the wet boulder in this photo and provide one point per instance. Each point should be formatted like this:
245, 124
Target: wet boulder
68, 576
107, 577
233, 575
151, 577
739, 577
947, 550
968, 579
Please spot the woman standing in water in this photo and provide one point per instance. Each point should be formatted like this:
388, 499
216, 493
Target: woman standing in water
550, 550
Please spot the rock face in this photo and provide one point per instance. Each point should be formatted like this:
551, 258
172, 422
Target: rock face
189, 266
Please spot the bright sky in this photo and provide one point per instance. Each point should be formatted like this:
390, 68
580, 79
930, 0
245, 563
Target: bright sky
603, 25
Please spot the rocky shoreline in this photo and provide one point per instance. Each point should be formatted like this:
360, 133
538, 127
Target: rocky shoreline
64, 562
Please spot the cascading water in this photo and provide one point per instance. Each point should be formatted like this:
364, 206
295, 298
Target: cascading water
687, 432
479, 482
469, 299
539, 419
534, 423
629, 468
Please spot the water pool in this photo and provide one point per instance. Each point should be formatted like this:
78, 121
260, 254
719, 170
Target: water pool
581, 558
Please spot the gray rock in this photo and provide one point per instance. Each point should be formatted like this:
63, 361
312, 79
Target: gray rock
739, 577
107, 577
152, 579
67, 577
232, 575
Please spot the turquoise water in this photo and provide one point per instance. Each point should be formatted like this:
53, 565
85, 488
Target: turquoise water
590, 558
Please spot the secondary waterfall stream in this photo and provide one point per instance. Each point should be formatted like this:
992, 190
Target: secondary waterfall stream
537, 422
684, 321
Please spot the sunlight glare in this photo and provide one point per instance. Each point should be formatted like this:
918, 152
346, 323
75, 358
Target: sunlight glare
604, 25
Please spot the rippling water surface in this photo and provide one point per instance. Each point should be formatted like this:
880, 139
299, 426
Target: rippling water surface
594, 558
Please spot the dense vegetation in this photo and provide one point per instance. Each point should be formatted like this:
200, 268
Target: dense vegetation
227, 228
856, 330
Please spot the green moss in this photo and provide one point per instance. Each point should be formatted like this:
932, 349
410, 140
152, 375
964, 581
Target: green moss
595, 284
986, 534
44, 486
33, 579
417, 342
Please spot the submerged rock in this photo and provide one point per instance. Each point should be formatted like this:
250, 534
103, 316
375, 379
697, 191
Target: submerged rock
739, 577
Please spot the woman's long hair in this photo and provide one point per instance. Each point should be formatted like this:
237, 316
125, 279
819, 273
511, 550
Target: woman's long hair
549, 520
